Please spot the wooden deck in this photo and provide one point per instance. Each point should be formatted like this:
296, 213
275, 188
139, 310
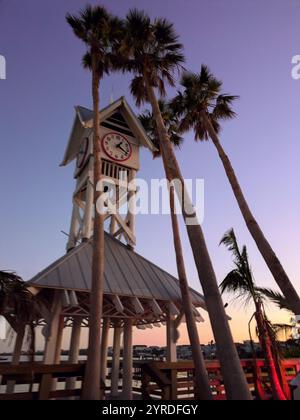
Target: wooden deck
151, 380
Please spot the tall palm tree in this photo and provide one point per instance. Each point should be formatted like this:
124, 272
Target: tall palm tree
240, 281
202, 387
202, 106
99, 31
152, 52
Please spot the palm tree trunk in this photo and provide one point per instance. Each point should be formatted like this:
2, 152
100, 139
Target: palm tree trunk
266, 344
234, 379
91, 388
202, 387
262, 243
259, 389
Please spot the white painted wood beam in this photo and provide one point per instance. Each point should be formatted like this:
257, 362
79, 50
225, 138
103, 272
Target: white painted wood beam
138, 307
73, 298
118, 304
155, 307
65, 299
173, 309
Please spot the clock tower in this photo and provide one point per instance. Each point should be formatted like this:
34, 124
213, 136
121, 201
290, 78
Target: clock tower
121, 136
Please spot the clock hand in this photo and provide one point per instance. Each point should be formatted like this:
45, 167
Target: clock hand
121, 148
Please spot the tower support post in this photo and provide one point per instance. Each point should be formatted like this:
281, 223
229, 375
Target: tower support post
132, 201
88, 212
73, 228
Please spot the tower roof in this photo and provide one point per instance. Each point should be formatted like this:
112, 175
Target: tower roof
126, 274
118, 114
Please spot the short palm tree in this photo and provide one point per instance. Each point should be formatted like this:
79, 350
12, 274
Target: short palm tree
152, 52
201, 106
99, 31
240, 282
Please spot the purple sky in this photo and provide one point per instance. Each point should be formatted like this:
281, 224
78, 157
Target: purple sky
248, 44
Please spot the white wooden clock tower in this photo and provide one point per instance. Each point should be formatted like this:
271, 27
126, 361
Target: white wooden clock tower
121, 135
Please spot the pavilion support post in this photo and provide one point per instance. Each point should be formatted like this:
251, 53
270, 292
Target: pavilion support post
52, 345
172, 352
53, 331
74, 348
115, 373
127, 360
171, 338
59, 338
104, 348
58, 346
16, 357
88, 212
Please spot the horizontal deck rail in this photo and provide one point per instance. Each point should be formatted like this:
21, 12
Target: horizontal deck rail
151, 380
175, 380
42, 377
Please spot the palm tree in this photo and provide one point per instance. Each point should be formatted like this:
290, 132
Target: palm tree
240, 281
201, 106
152, 52
202, 387
98, 30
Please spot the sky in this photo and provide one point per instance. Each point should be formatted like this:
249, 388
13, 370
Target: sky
248, 44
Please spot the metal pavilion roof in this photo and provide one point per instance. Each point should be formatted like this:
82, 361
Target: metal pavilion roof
126, 274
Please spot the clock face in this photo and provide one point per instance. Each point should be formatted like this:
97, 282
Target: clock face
116, 147
82, 154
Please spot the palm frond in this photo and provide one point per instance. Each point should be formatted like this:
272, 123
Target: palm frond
240, 280
171, 123
101, 32
201, 93
150, 49
234, 282
275, 297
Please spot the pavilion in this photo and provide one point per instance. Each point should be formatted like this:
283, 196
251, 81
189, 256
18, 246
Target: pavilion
137, 294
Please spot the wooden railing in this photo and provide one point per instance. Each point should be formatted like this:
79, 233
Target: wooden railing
151, 380
171, 381
39, 380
